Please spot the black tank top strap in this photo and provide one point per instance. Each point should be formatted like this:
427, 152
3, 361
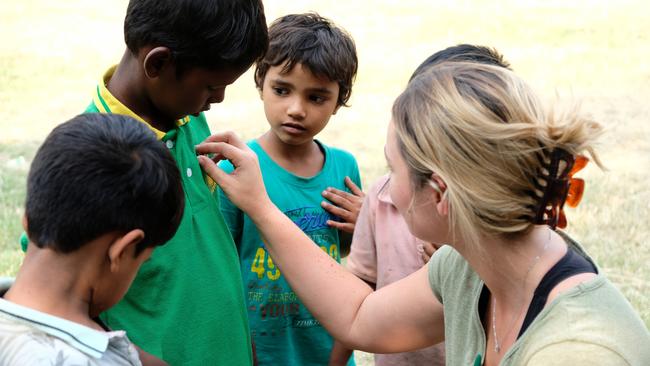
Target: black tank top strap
571, 264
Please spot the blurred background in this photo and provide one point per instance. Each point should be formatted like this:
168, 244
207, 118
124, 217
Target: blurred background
594, 53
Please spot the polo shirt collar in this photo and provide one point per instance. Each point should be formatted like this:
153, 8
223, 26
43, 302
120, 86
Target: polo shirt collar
383, 192
87, 340
107, 103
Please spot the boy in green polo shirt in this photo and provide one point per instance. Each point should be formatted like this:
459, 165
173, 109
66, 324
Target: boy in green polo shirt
186, 304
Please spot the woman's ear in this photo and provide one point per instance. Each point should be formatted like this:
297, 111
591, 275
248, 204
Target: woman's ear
439, 185
124, 245
155, 61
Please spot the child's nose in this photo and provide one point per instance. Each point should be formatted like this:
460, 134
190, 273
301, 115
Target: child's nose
296, 109
217, 96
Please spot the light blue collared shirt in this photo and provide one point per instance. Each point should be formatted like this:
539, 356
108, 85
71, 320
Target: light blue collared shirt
31, 337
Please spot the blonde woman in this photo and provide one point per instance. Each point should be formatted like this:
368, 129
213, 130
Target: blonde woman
478, 163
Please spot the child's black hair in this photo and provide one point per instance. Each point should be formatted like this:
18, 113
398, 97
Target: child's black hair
316, 43
200, 33
463, 52
102, 173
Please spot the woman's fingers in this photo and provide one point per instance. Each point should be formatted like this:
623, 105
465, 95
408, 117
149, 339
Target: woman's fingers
228, 137
244, 185
211, 169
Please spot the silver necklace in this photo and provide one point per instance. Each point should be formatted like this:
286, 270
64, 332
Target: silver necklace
497, 345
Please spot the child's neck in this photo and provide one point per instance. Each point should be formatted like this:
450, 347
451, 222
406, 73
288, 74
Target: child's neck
305, 160
42, 285
127, 85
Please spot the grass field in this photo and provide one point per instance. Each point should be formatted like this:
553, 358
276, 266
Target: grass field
590, 52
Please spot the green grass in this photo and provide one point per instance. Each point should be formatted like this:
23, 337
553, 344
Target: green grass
14, 163
593, 52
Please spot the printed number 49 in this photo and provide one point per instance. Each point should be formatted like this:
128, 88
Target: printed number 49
258, 267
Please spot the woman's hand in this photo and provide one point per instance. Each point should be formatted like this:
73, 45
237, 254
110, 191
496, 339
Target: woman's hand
244, 186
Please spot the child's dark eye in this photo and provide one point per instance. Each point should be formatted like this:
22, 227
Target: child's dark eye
318, 99
280, 91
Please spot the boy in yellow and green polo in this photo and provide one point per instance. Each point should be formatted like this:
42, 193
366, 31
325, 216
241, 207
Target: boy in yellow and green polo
186, 304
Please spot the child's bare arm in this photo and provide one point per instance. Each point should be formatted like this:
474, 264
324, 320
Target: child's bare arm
427, 251
345, 242
339, 355
400, 317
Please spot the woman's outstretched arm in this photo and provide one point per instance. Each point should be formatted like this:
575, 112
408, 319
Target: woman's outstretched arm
400, 317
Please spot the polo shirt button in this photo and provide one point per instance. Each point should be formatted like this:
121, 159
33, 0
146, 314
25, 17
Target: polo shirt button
189, 172
169, 144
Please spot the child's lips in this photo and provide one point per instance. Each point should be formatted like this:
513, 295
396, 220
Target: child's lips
293, 128
204, 109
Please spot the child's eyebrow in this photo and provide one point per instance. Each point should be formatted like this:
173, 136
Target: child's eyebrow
286, 84
320, 90
281, 82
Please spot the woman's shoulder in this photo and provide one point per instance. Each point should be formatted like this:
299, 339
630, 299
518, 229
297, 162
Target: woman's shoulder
450, 276
593, 315
577, 353
448, 259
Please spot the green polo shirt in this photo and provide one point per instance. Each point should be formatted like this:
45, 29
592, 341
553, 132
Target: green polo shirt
186, 305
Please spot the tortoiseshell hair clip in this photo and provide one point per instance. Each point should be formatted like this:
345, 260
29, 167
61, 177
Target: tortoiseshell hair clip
557, 186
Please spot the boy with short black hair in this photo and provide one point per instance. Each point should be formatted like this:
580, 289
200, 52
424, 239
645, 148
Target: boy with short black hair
305, 77
186, 305
102, 193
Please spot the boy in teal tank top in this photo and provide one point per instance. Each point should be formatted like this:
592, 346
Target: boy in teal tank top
186, 305
303, 80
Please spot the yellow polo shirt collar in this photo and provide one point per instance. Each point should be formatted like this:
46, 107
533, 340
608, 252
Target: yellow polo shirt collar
107, 103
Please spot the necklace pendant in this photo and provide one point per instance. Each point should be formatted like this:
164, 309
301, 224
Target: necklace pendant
497, 348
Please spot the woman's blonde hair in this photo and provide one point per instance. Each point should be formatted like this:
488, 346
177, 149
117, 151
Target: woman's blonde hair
485, 133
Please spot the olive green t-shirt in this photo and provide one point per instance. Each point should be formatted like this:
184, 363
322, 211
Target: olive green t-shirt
590, 324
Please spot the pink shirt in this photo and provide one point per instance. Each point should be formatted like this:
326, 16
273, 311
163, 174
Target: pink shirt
384, 251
